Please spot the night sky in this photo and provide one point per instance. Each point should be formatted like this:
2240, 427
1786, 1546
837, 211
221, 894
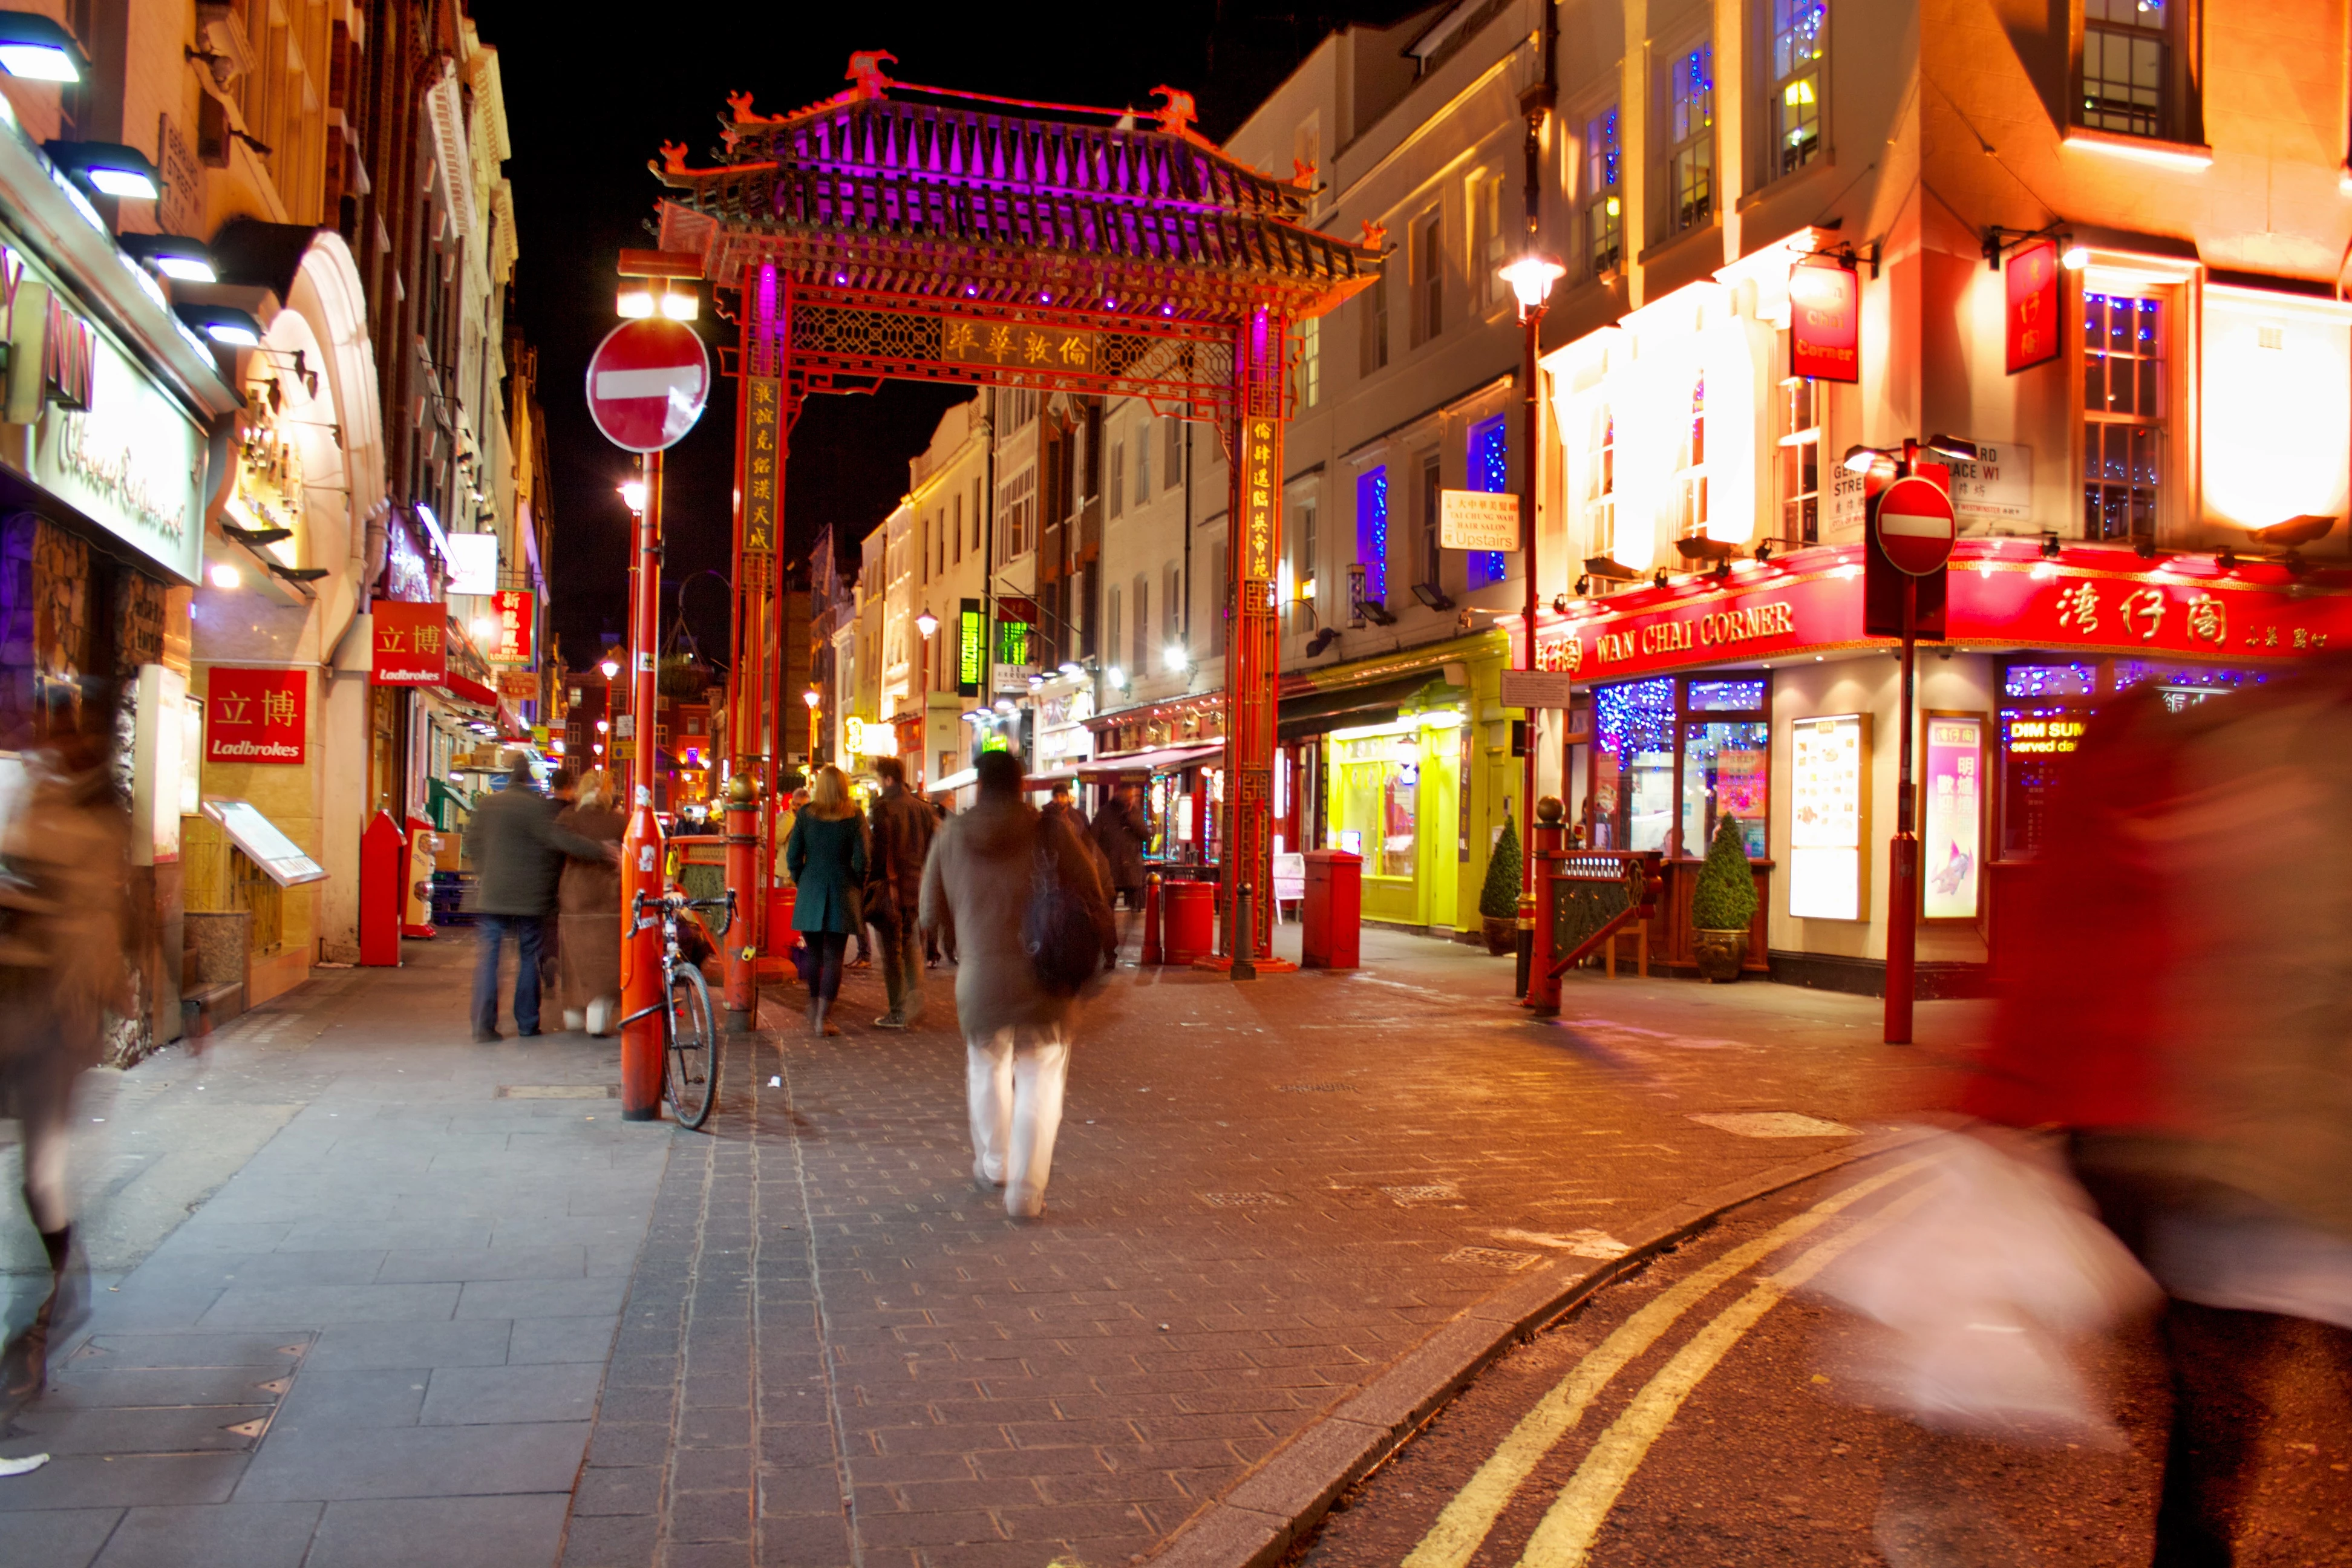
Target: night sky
584, 129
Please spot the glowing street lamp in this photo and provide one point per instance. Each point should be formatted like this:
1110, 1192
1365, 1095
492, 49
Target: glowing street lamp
927, 623
1530, 277
611, 667
633, 493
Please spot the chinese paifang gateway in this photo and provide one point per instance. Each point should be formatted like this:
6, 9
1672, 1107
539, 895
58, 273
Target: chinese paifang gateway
1754, 695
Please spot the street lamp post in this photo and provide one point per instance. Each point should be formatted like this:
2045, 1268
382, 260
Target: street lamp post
641, 844
1530, 277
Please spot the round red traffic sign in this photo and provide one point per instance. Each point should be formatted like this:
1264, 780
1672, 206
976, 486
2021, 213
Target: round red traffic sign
647, 383
1916, 525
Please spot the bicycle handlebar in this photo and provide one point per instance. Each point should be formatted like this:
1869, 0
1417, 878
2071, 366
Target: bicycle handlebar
675, 902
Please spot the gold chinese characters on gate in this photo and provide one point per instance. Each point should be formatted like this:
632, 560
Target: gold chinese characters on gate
763, 453
1257, 457
1016, 347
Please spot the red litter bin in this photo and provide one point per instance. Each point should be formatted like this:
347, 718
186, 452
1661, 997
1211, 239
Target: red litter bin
1333, 922
1188, 920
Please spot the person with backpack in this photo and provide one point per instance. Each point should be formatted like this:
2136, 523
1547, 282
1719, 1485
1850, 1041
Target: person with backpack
1017, 896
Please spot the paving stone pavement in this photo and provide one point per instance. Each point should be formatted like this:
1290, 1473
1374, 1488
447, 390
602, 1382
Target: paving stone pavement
356, 1304
837, 1350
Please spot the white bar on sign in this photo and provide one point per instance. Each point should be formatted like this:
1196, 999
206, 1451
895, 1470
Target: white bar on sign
1915, 525
614, 385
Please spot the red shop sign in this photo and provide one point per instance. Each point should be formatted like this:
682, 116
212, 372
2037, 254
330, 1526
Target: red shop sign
412, 644
2031, 279
2128, 613
1824, 322
1765, 622
255, 715
513, 607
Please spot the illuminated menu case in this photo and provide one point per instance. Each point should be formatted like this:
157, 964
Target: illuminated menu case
1828, 817
1952, 818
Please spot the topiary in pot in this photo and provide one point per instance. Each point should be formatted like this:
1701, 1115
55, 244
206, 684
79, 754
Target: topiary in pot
1724, 902
1498, 901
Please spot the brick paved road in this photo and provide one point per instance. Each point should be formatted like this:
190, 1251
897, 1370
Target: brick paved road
835, 1350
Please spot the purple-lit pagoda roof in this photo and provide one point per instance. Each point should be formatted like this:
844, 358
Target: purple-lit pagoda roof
871, 194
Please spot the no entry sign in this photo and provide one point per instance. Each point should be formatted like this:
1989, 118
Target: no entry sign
647, 383
1917, 526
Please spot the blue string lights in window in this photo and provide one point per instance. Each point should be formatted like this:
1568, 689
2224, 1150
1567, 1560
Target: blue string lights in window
1490, 471
1372, 531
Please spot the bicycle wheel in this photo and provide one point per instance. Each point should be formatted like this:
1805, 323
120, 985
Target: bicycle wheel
693, 1049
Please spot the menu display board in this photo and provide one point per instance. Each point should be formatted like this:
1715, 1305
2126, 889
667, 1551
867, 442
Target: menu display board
1828, 771
263, 844
1952, 849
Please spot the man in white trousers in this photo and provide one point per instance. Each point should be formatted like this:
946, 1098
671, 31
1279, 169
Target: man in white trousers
1017, 1031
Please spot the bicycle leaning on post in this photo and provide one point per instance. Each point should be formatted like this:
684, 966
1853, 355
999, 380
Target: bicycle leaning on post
690, 1042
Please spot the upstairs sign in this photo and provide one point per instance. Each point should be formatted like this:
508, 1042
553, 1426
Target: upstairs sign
647, 383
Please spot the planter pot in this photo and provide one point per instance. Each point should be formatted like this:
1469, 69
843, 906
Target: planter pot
1502, 936
1720, 953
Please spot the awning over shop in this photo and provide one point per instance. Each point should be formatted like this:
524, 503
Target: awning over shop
1166, 760
1316, 712
1049, 778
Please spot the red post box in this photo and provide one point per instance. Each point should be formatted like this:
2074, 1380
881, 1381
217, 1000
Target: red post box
1188, 920
1547, 844
1331, 928
383, 890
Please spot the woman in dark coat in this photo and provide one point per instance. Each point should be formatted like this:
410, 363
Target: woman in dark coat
588, 911
827, 858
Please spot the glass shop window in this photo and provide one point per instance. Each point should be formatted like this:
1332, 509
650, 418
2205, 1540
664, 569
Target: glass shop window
1377, 800
1671, 756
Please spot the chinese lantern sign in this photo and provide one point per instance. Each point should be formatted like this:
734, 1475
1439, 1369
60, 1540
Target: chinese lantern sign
2030, 277
763, 450
412, 645
255, 715
513, 646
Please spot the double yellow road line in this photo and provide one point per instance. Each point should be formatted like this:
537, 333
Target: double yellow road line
1565, 1537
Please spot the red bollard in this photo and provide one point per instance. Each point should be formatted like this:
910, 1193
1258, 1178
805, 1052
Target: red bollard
1548, 845
1151, 954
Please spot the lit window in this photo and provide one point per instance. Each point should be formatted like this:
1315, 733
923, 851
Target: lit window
1800, 461
1690, 136
1796, 82
1372, 532
1486, 203
1311, 362
1489, 470
2124, 66
1604, 226
1600, 485
2123, 414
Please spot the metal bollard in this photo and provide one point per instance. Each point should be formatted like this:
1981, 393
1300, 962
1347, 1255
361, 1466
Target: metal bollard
1151, 954
1243, 936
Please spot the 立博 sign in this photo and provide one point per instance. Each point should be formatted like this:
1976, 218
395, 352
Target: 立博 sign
255, 715
412, 645
1479, 520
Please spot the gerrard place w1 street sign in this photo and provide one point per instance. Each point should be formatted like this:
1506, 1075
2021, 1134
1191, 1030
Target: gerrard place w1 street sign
647, 383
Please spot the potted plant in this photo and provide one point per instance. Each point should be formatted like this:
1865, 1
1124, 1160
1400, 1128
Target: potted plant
1498, 901
1724, 902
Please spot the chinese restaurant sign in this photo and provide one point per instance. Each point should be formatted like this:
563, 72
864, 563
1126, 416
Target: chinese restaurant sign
762, 439
2096, 610
411, 644
255, 715
1824, 322
514, 608
2031, 279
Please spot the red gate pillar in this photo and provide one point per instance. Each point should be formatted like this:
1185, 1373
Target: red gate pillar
761, 426
1252, 667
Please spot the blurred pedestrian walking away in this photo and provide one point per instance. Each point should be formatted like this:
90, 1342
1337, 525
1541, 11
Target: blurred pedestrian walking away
518, 854
827, 858
65, 963
903, 827
588, 906
978, 889
1121, 830
562, 791
2183, 965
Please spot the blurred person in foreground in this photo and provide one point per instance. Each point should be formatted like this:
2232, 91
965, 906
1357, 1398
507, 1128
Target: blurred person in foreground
826, 859
2183, 970
64, 966
518, 854
903, 825
588, 909
982, 887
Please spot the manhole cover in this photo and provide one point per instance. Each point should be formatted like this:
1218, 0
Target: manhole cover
1315, 1089
559, 1091
1242, 1200
1773, 1124
1489, 1257
1423, 1194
